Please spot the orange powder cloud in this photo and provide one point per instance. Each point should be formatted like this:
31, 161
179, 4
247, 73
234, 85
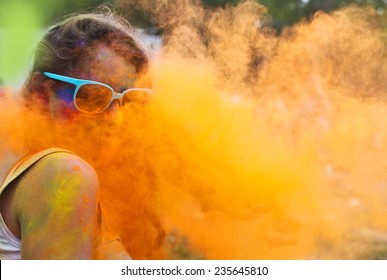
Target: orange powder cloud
253, 146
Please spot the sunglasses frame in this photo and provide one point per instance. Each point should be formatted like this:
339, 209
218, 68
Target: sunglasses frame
80, 82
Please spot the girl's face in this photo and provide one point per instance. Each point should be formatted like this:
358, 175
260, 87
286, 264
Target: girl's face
103, 65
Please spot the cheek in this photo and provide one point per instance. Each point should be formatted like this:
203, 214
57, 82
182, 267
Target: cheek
65, 94
63, 104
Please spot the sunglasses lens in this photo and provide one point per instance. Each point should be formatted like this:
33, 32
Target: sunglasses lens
140, 97
93, 98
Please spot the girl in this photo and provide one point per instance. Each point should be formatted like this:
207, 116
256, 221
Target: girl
85, 68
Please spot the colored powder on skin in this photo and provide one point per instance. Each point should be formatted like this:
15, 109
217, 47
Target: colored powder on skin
65, 195
76, 168
86, 202
60, 192
254, 146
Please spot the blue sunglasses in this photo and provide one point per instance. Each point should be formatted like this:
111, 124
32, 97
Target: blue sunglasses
92, 97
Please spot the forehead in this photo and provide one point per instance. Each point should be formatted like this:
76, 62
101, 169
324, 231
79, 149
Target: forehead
107, 66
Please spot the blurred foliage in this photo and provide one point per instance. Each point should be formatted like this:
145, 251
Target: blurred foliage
283, 13
21, 23
49, 11
288, 12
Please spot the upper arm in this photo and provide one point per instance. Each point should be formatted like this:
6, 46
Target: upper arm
56, 208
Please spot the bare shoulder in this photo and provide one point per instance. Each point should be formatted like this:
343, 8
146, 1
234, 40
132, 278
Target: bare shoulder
62, 166
59, 175
66, 162
56, 203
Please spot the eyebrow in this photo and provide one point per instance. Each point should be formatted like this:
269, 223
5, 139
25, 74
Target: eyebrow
124, 84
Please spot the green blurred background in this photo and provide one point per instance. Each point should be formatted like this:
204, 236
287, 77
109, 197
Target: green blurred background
22, 21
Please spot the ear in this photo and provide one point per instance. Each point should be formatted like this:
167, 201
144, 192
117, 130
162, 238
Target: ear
38, 90
39, 83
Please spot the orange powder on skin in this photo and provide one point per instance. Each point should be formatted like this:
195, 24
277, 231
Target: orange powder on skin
86, 202
76, 168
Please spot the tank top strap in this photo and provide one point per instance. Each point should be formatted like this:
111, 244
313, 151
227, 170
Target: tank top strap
26, 162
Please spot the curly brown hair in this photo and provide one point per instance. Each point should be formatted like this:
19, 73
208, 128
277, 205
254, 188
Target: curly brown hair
66, 43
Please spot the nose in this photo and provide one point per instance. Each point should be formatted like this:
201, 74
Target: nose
114, 113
